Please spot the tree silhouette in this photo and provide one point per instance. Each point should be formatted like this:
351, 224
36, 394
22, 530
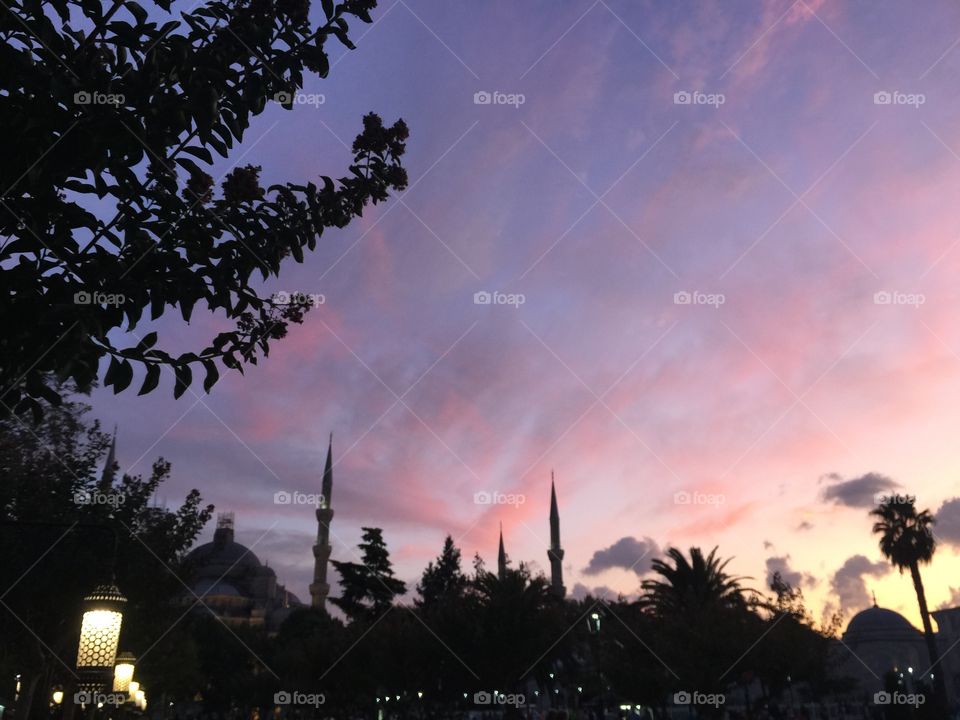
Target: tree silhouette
368, 587
691, 585
907, 541
443, 580
107, 121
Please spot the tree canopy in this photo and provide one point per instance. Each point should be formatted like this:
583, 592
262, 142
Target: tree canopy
111, 115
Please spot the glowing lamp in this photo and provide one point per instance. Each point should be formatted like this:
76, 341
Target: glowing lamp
100, 630
57, 697
123, 672
140, 698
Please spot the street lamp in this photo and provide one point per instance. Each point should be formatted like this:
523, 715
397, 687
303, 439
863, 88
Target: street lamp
100, 632
123, 672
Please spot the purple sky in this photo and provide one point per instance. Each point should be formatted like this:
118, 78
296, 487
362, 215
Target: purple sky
784, 197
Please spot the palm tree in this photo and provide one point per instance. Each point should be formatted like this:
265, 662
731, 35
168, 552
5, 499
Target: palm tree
907, 541
690, 586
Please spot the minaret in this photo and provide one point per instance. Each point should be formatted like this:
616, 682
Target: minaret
108, 474
501, 558
555, 553
320, 588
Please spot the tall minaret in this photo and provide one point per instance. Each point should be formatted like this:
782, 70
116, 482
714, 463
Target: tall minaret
555, 553
109, 472
501, 558
320, 588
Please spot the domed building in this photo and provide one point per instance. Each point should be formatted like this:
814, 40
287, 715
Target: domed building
881, 640
231, 581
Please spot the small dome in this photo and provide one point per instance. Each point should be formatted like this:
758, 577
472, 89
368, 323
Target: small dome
877, 623
212, 588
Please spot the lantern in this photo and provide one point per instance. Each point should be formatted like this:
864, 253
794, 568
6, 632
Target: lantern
123, 672
57, 696
100, 631
140, 698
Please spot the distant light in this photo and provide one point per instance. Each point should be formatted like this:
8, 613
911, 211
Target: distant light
910, 670
57, 697
419, 693
123, 672
579, 689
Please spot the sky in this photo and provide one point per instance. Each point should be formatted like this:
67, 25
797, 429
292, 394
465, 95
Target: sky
719, 240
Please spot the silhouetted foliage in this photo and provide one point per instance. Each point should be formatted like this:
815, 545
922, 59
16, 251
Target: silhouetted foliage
907, 541
368, 588
60, 520
109, 115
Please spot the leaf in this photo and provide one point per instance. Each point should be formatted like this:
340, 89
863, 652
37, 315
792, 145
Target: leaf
212, 375
123, 377
184, 377
190, 165
151, 380
327, 8
111, 375
200, 152
186, 308
137, 11
148, 341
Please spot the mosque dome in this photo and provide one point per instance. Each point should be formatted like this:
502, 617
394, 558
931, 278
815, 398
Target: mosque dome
877, 623
223, 558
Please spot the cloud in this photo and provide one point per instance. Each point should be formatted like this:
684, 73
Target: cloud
952, 602
859, 492
627, 553
599, 592
948, 521
794, 577
848, 582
